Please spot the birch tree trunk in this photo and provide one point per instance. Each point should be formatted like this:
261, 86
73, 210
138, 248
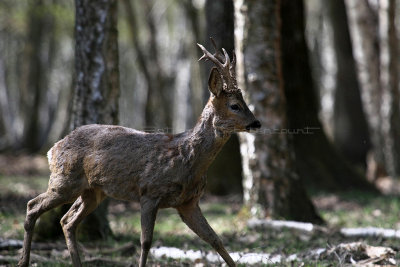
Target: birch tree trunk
97, 85
376, 47
390, 86
364, 21
271, 186
96, 63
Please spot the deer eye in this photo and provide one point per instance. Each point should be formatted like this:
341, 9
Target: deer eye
235, 107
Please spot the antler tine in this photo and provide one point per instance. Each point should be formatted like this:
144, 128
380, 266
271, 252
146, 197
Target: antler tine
203, 57
217, 53
233, 63
233, 59
213, 43
227, 62
223, 64
208, 55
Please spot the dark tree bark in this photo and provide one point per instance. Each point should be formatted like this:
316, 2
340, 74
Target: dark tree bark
271, 184
97, 84
219, 26
96, 91
317, 162
225, 173
220, 23
96, 63
350, 130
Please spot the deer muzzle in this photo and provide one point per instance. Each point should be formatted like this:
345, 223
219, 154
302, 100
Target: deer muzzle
254, 125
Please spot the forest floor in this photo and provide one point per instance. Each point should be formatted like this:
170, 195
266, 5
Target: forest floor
325, 246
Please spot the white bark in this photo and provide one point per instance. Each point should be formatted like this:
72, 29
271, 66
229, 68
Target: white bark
364, 28
251, 182
319, 40
385, 84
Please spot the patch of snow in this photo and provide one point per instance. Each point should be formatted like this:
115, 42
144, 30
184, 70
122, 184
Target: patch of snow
238, 257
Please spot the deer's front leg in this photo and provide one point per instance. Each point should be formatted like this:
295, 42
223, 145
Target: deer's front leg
192, 216
148, 210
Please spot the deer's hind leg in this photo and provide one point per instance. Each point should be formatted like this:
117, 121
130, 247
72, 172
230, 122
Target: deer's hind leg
83, 206
35, 208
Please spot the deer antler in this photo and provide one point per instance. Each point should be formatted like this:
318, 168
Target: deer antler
223, 64
233, 65
220, 57
217, 54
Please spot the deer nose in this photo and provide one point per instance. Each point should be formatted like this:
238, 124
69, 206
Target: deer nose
254, 125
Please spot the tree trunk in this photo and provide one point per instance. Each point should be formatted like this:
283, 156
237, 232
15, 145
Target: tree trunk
143, 62
96, 63
220, 23
7, 137
158, 84
376, 33
390, 86
350, 126
394, 84
97, 84
367, 54
96, 90
317, 162
158, 95
198, 78
271, 185
34, 78
225, 173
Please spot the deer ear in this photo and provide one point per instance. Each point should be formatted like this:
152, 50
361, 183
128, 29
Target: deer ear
215, 83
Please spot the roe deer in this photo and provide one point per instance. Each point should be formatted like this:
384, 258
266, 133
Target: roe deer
156, 169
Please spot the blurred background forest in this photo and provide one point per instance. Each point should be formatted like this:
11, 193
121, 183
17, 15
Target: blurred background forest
353, 52
323, 77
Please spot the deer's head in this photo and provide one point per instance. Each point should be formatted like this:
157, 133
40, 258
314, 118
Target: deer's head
231, 111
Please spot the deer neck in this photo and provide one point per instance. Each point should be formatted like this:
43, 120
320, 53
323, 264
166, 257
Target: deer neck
205, 141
